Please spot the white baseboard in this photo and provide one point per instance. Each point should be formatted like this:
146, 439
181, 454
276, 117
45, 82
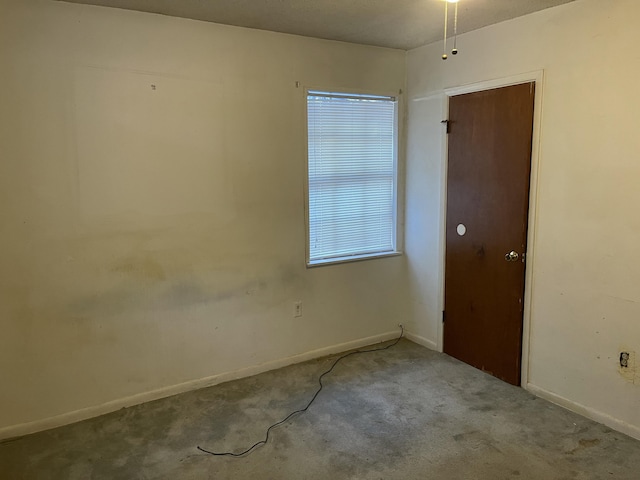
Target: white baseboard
425, 342
111, 406
596, 415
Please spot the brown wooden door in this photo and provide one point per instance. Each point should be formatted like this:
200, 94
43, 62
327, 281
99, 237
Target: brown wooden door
488, 193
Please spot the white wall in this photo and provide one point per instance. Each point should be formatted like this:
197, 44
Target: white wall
153, 236
585, 302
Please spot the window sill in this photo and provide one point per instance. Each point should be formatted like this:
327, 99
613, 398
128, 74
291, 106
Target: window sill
351, 258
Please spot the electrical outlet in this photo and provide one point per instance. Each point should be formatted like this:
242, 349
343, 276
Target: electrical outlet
624, 359
297, 308
627, 366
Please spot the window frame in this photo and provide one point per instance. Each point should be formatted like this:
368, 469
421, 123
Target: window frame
396, 251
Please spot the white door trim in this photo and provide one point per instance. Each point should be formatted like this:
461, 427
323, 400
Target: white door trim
538, 78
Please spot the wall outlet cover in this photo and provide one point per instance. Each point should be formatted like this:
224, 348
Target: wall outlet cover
627, 366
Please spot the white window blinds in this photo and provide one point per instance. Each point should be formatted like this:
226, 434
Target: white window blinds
352, 175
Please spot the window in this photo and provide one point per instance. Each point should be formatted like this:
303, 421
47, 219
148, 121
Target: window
352, 158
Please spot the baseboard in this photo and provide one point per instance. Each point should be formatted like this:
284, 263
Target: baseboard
585, 411
108, 407
425, 342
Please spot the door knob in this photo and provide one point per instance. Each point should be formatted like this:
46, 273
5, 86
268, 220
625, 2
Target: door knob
512, 256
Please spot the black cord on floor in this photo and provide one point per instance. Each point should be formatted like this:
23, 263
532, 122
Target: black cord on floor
302, 410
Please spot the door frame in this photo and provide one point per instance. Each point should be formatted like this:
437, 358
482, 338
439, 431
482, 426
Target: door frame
537, 77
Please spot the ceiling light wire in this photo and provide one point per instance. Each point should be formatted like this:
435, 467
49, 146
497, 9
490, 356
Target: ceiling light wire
455, 31
446, 21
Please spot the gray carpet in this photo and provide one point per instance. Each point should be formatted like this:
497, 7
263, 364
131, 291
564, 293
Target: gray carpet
403, 413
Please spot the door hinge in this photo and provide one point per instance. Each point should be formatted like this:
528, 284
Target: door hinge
448, 124
444, 316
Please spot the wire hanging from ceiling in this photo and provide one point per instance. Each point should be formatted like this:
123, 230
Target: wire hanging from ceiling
446, 24
454, 51
455, 31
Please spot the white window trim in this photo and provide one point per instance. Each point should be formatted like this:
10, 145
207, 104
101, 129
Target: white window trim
352, 258
398, 189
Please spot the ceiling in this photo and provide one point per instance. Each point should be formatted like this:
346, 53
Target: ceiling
403, 24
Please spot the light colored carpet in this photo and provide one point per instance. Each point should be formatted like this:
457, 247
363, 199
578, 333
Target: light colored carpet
403, 413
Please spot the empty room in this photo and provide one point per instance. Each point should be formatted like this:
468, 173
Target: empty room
319, 239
